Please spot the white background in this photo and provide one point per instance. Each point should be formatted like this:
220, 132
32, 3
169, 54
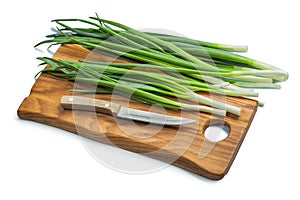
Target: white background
40, 162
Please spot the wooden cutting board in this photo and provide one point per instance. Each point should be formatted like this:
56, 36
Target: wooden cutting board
183, 146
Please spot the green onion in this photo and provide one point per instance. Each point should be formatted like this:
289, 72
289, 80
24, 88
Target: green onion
179, 66
89, 73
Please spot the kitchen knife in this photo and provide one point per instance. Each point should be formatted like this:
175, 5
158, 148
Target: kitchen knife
90, 104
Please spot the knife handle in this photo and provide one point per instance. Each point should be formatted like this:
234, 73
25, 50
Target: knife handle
89, 104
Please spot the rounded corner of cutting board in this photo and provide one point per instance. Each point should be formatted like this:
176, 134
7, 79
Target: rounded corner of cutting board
23, 109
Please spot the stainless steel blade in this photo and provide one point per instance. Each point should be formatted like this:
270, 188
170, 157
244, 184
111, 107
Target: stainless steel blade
151, 117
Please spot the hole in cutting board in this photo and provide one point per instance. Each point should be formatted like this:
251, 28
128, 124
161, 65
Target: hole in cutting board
217, 132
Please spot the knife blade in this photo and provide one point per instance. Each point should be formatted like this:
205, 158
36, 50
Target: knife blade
90, 104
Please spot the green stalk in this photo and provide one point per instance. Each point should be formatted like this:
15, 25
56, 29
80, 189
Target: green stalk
258, 85
215, 53
116, 33
173, 38
160, 42
201, 85
125, 90
143, 55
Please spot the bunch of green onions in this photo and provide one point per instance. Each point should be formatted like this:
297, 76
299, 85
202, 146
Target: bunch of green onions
184, 66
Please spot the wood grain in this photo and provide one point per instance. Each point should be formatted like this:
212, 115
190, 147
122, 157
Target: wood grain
187, 143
